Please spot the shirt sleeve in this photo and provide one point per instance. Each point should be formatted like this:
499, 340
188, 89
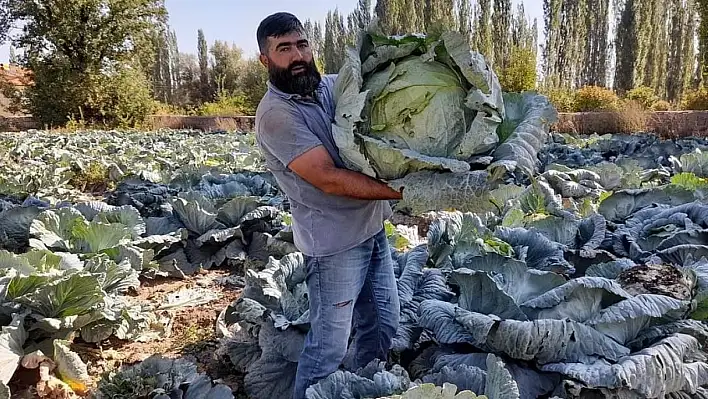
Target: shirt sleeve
285, 136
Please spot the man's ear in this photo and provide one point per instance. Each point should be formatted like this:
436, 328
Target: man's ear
264, 60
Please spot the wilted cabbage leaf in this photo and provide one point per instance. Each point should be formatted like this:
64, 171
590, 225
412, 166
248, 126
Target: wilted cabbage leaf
156, 374
652, 372
523, 340
371, 381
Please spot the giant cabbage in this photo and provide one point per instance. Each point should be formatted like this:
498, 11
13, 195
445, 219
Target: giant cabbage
417, 110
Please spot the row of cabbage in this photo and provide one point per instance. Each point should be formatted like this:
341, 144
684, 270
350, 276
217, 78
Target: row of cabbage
60, 166
68, 259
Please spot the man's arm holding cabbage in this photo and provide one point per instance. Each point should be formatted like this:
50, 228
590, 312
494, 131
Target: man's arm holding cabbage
317, 168
300, 150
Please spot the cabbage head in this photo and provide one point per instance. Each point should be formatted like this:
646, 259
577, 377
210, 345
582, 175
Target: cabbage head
418, 111
412, 103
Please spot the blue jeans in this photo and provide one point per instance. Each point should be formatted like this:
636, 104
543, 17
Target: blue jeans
356, 288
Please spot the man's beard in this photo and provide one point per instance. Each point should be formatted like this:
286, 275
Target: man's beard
303, 83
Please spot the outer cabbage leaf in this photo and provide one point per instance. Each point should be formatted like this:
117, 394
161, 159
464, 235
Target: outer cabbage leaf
610, 270
113, 277
536, 250
274, 373
684, 255
349, 106
95, 237
15, 227
70, 368
462, 235
372, 381
653, 372
174, 377
231, 213
622, 204
394, 163
500, 384
523, 340
579, 299
195, 211
653, 334
126, 215
74, 294
281, 288
519, 282
55, 228
481, 293
528, 118
695, 162
12, 339
531, 383
462, 376
624, 320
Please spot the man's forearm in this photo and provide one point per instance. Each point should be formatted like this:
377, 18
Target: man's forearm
357, 185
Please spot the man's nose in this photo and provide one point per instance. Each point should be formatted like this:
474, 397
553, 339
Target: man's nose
298, 55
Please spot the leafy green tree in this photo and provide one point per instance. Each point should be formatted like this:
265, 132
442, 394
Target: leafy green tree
388, 13
597, 24
520, 74
225, 68
165, 69
87, 57
188, 91
253, 82
335, 40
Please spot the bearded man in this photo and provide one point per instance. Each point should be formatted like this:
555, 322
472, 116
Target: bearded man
338, 214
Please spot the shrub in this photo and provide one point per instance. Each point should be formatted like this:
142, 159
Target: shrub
632, 117
594, 98
562, 99
696, 100
643, 95
226, 106
161, 108
661, 105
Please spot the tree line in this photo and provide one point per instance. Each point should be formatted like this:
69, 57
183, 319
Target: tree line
116, 61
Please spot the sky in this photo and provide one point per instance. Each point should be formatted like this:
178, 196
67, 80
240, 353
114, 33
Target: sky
234, 21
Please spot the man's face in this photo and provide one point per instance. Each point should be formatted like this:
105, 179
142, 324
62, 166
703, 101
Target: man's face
291, 66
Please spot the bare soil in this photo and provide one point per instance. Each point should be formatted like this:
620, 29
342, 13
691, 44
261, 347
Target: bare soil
193, 336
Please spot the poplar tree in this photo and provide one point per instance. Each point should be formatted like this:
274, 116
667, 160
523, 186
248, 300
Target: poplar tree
626, 47
203, 57
594, 68
483, 29
501, 33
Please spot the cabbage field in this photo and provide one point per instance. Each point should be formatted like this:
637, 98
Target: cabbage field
530, 264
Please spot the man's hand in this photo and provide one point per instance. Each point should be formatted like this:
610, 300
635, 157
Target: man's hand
317, 168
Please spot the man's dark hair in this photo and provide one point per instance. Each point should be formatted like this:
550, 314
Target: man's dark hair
276, 25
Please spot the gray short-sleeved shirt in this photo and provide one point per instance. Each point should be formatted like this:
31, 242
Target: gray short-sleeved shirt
288, 126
